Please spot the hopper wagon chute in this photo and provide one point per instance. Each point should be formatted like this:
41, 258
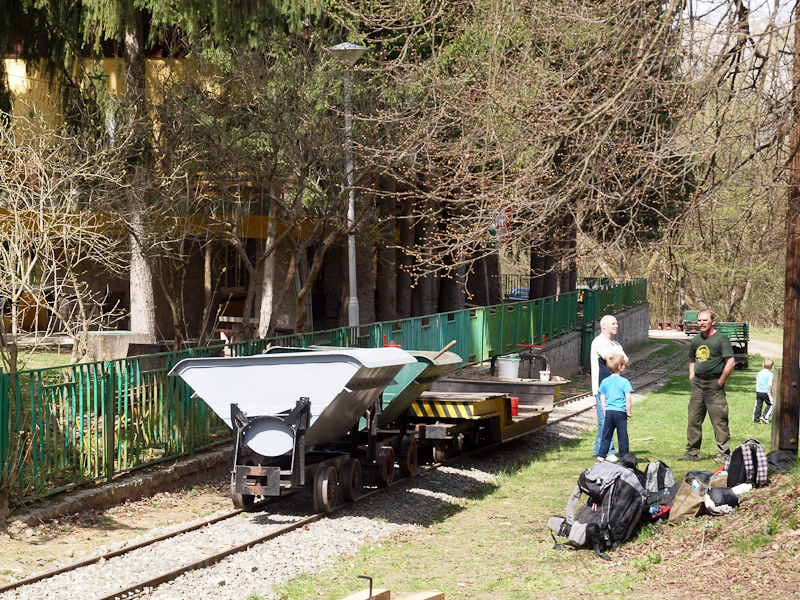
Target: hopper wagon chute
289, 410
385, 434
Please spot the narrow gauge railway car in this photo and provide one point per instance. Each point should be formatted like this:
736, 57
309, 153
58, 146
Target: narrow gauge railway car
318, 416
385, 435
289, 410
461, 411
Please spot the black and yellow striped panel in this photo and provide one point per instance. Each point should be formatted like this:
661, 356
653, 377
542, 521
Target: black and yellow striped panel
452, 410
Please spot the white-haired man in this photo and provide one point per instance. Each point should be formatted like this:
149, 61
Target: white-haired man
604, 346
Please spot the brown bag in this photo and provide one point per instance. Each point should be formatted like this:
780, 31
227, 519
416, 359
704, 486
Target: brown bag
689, 501
719, 479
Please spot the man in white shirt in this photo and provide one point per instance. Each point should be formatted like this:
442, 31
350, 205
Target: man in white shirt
604, 346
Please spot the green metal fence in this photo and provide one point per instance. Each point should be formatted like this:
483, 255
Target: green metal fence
77, 424
607, 300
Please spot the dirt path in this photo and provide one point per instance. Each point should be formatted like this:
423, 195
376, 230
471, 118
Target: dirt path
765, 349
762, 347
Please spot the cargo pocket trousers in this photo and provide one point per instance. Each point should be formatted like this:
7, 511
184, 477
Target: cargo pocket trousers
707, 397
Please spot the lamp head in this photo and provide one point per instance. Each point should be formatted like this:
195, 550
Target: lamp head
348, 53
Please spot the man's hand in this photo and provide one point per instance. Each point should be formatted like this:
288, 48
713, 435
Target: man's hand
730, 362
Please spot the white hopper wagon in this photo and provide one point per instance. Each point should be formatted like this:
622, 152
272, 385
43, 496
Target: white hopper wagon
287, 409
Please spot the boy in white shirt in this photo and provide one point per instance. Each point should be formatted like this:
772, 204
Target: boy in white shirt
764, 392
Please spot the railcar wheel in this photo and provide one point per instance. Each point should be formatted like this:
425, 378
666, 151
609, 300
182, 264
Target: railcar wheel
385, 462
242, 501
408, 457
350, 479
440, 453
326, 489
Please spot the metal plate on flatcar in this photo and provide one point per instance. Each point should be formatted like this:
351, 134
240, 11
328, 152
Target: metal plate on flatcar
257, 480
458, 405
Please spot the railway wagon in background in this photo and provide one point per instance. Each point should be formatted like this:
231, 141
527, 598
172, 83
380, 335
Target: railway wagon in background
738, 332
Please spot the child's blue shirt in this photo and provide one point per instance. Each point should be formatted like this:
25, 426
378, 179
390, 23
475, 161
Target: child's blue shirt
614, 389
764, 381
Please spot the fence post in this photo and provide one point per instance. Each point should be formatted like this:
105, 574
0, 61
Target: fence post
5, 430
109, 417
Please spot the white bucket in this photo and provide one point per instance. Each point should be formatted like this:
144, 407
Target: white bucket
544, 375
508, 367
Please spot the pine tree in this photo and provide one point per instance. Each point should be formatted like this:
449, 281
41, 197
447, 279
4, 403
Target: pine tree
61, 32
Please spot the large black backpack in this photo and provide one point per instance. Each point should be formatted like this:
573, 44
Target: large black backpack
611, 514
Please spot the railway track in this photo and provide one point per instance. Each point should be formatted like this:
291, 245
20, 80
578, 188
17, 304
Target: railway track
653, 374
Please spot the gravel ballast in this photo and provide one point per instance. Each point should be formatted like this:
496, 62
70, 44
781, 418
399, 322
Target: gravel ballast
310, 549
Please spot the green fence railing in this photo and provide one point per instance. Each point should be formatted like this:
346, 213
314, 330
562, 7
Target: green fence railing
76, 424
607, 300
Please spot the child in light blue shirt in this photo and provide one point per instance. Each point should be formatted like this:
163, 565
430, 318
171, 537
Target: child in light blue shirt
615, 398
764, 393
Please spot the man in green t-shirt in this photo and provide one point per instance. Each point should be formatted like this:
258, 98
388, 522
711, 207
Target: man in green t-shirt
710, 364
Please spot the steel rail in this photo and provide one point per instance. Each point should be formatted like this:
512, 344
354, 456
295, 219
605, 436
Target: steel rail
141, 587
131, 547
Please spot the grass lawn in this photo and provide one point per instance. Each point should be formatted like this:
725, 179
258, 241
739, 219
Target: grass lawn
500, 547
42, 359
767, 335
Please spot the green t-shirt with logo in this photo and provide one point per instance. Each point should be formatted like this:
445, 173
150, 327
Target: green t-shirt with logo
710, 353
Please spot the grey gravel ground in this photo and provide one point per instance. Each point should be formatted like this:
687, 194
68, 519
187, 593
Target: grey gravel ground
306, 550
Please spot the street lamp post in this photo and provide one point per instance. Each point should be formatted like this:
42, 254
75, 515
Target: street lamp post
349, 54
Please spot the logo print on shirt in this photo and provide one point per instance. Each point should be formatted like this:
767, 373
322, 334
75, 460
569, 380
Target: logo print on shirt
702, 354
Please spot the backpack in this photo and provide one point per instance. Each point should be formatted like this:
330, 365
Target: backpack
658, 477
611, 514
747, 464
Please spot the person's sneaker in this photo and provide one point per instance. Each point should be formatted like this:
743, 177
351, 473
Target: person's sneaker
689, 457
612, 458
765, 421
600, 459
721, 458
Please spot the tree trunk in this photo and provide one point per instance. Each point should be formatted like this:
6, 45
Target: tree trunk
550, 278
404, 275
265, 314
365, 280
493, 284
143, 317
387, 261
537, 274
788, 408
304, 287
422, 299
452, 290
478, 283
208, 289
142, 303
